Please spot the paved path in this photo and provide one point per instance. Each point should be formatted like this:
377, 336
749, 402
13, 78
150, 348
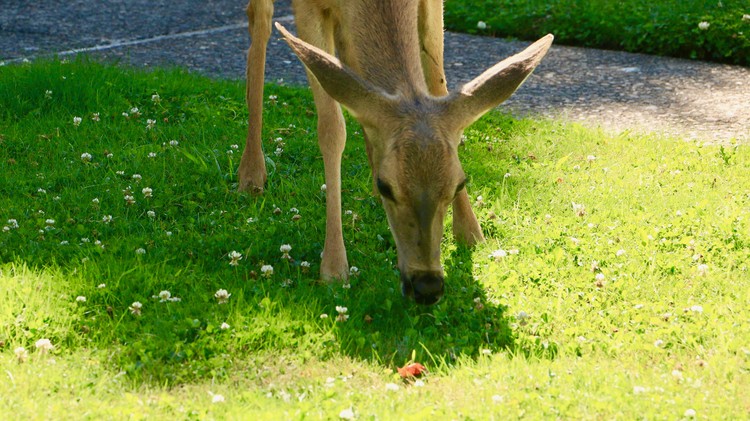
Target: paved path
616, 90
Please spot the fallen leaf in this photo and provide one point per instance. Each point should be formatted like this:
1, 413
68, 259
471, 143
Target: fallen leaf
411, 370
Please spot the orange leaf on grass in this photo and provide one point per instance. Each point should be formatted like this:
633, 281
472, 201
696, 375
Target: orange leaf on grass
411, 370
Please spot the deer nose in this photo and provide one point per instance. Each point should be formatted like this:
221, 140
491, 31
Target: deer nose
425, 287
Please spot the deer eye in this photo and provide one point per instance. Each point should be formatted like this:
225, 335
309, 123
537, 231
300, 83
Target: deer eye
385, 189
460, 187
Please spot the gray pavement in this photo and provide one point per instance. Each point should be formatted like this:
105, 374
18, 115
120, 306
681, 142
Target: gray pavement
615, 90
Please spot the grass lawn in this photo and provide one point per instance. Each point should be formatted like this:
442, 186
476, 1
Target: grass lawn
613, 283
698, 29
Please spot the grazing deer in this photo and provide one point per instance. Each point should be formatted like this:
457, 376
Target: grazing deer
390, 77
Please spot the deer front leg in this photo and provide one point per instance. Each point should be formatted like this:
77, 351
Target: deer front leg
252, 171
331, 139
466, 229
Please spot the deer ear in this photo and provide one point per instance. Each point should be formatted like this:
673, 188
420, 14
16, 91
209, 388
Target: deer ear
360, 97
495, 85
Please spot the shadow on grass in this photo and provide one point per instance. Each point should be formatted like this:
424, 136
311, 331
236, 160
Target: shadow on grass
179, 238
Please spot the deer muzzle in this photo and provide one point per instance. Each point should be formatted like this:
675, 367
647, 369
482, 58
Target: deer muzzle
426, 288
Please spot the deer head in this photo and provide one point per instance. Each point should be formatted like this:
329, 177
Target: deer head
413, 139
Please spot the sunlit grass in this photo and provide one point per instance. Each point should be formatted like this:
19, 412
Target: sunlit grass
613, 283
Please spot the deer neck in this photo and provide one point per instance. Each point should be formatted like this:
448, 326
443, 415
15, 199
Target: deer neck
379, 40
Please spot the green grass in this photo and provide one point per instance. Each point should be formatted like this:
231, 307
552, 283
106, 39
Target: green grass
534, 334
653, 27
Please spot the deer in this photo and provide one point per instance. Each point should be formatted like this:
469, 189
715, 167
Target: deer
382, 60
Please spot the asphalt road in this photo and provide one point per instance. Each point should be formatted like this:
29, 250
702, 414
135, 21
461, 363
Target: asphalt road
616, 90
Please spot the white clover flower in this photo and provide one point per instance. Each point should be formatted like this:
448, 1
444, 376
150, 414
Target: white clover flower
129, 199
234, 257
152, 154
21, 354
579, 209
599, 277
746, 17
513, 251
137, 177
278, 151
77, 121
136, 308
6, 228
702, 269
95, 117
164, 296
658, 343
346, 414
101, 286
342, 317
147, 192
418, 383
267, 270
591, 158
12, 223
134, 111
120, 172
173, 143
620, 252
272, 97
575, 241
486, 352
703, 25
86, 157
151, 214
50, 222
498, 254
155, 98
48, 93
305, 264
140, 250
353, 271
224, 326
150, 124
481, 25
80, 299
222, 296
107, 219
285, 248
637, 390
696, 309
235, 146
323, 188
391, 387
44, 345
522, 315
690, 413
218, 399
